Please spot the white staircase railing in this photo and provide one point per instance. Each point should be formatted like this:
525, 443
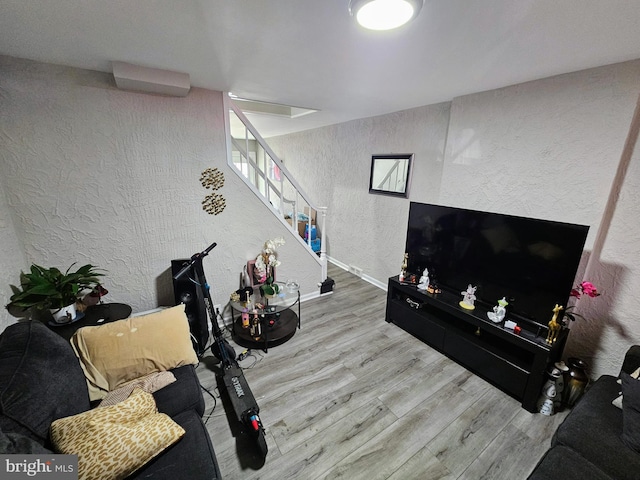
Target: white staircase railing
264, 173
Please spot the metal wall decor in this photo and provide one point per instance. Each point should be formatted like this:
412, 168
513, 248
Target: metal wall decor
214, 204
213, 179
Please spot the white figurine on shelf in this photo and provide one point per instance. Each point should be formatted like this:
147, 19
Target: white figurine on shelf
468, 298
547, 399
423, 284
403, 267
499, 311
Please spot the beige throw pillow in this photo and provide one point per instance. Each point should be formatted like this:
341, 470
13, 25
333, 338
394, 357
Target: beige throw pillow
113, 442
117, 352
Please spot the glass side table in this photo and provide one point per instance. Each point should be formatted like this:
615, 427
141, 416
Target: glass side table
263, 322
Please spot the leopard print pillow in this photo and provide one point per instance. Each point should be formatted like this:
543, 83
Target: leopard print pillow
113, 442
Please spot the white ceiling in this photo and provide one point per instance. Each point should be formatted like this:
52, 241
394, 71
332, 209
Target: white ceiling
310, 53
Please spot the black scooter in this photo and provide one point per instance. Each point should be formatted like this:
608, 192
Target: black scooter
237, 390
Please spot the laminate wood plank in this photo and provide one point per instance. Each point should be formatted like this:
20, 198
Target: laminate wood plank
493, 464
306, 392
421, 386
379, 352
537, 427
388, 451
467, 436
303, 422
424, 466
352, 396
312, 458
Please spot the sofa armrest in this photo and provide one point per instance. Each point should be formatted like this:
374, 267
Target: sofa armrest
631, 360
40, 380
593, 429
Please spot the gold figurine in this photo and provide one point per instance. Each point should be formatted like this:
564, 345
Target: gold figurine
554, 326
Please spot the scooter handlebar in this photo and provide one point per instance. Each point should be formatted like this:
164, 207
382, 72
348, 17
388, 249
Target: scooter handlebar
187, 266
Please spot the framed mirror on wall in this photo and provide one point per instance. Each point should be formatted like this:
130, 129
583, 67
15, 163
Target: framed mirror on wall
390, 174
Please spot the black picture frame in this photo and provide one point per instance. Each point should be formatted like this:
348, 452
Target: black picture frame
391, 174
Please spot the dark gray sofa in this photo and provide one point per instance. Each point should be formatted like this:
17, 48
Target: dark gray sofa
41, 380
589, 444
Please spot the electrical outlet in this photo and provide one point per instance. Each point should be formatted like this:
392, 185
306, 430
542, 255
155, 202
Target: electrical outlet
355, 270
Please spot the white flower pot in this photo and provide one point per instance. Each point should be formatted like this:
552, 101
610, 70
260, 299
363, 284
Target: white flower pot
65, 314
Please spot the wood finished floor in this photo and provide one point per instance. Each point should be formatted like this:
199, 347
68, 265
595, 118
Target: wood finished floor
351, 396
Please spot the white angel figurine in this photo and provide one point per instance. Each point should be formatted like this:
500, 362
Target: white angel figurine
423, 284
468, 298
499, 311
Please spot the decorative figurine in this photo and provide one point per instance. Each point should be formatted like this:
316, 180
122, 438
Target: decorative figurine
499, 311
557, 373
468, 298
424, 280
433, 287
403, 267
554, 326
546, 402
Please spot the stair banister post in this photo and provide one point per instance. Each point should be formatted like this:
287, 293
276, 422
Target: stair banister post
294, 216
323, 241
282, 193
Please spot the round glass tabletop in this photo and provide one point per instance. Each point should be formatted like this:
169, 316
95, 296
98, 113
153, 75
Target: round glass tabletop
286, 297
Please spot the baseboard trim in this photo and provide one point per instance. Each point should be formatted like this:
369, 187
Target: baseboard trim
363, 276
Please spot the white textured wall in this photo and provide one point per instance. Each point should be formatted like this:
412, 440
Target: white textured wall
333, 165
546, 149
550, 149
12, 258
92, 174
614, 266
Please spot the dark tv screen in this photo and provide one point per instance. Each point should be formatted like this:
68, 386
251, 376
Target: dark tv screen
530, 262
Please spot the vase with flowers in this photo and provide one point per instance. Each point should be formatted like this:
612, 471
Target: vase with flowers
584, 288
264, 268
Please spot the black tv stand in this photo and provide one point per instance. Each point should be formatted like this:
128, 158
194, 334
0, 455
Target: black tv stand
515, 363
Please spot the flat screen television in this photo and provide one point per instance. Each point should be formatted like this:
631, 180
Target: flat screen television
530, 262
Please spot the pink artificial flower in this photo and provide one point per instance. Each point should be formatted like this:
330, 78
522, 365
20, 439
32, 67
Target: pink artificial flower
589, 289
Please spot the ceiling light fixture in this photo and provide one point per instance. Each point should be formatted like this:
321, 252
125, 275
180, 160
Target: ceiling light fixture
384, 14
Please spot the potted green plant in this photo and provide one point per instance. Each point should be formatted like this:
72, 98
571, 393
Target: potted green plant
51, 289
